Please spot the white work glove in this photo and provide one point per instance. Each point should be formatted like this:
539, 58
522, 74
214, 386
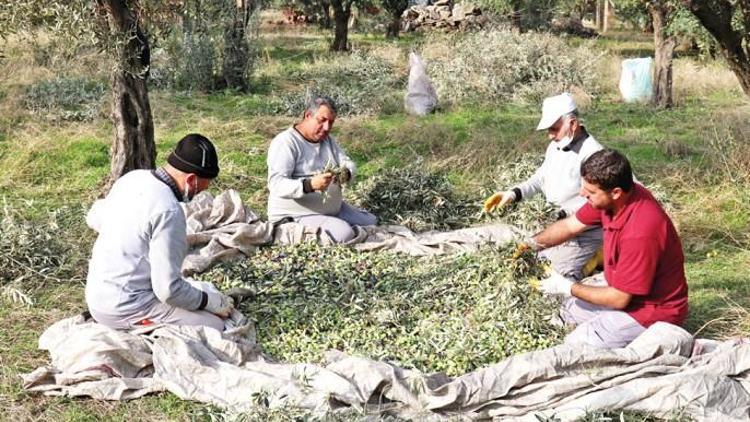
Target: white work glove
219, 304
556, 285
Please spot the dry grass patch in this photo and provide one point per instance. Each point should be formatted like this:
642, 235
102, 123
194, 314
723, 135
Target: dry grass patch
693, 78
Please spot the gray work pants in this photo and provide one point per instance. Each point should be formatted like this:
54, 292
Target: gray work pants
339, 226
161, 313
569, 258
598, 326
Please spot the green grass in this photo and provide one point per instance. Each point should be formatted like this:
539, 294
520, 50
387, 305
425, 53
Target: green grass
46, 165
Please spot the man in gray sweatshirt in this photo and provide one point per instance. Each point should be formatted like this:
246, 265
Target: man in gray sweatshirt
134, 274
559, 179
299, 189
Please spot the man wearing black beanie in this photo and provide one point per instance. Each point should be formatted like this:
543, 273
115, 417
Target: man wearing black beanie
134, 273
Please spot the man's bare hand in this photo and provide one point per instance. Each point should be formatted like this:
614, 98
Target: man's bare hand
320, 182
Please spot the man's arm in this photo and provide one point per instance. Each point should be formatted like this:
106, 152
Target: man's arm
601, 295
557, 233
167, 248
530, 186
281, 162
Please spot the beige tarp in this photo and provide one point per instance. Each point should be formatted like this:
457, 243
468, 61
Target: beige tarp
223, 227
663, 371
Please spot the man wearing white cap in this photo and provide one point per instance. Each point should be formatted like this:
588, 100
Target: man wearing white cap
559, 178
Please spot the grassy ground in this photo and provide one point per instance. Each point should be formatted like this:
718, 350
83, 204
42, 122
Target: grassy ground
696, 153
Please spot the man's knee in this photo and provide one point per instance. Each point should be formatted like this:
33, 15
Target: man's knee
356, 217
569, 258
214, 322
339, 230
608, 330
199, 318
368, 219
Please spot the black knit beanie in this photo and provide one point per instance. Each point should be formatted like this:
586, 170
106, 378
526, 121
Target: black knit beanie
195, 154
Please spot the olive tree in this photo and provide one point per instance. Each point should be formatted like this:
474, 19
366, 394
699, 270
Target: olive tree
661, 14
396, 8
524, 15
213, 34
728, 22
117, 27
321, 11
342, 11
121, 29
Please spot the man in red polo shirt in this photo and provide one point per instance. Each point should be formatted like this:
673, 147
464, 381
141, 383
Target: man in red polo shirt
643, 258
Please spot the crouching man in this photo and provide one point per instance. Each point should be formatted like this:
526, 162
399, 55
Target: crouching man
134, 273
559, 179
643, 258
299, 190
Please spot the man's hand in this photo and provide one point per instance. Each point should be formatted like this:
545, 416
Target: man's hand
345, 176
521, 248
321, 181
499, 199
529, 244
556, 285
219, 304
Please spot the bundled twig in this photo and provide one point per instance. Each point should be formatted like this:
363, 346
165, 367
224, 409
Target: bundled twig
414, 197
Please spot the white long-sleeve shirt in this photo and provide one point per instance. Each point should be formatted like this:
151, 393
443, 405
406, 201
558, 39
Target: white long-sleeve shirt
292, 158
136, 259
559, 176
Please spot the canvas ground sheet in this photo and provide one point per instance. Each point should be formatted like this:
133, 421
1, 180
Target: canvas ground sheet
664, 371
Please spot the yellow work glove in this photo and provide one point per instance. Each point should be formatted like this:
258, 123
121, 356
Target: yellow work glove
520, 249
593, 263
535, 283
499, 199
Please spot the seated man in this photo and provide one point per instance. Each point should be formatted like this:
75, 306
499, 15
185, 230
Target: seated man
559, 179
643, 258
134, 273
299, 191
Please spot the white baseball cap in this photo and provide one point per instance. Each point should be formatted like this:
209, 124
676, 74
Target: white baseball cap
555, 107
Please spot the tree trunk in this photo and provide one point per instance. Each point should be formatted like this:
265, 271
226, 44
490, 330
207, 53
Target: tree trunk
394, 27
663, 54
341, 13
236, 47
605, 17
741, 69
325, 9
133, 145
598, 15
717, 17
516, 23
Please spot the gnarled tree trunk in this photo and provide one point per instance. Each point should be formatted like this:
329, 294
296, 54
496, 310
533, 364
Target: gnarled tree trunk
236, 47
516, 23
342, 10
716, 17
133, 145
394, 27
664, 45
325, 14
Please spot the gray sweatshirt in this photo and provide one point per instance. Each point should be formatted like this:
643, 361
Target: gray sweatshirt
559, 176
136, 259
291, 158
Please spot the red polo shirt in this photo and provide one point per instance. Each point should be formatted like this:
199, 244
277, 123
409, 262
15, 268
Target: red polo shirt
643, 256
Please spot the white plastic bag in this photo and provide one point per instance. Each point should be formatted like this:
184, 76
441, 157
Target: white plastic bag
421, 97
636, 83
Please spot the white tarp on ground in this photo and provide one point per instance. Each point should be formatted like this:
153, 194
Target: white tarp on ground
663, 371
223, 227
